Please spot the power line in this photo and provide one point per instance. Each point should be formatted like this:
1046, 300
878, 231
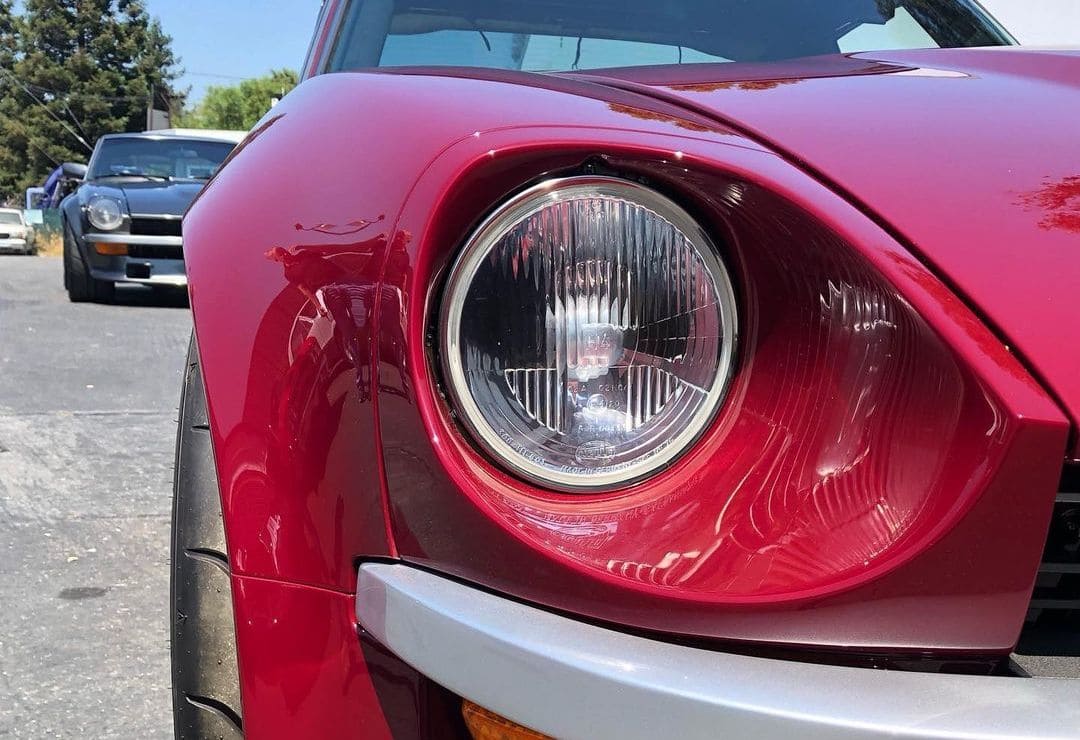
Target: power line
48, 110
30, 142
83, 96
42, 152
78, 124
219, 76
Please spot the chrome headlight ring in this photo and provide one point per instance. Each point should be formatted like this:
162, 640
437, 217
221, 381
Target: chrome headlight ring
104, 213
588, 333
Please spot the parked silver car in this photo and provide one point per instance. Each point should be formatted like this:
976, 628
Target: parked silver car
15, 234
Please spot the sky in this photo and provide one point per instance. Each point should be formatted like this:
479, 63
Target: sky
1039, 22
224, 41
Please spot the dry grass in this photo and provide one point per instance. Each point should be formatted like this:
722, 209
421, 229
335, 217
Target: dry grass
49, 242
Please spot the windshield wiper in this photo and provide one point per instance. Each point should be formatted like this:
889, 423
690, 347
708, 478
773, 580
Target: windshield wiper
145, 175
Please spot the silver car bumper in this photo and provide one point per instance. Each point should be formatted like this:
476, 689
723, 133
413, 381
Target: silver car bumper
153, 260
13, 245
569, 679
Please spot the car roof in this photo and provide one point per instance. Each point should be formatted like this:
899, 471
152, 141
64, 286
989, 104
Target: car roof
231, 137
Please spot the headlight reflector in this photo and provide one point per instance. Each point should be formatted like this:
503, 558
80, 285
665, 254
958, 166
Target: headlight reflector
104, 213
588, 333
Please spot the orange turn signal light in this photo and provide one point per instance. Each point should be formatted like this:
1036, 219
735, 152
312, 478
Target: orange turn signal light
485, 725
111, 249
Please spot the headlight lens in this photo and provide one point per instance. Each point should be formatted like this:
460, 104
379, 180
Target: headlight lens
104, 213
588, 333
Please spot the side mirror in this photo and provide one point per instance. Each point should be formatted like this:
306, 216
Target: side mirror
74, 170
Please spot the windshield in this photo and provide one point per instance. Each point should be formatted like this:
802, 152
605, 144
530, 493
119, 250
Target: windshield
9, 218
158, 158
560, 35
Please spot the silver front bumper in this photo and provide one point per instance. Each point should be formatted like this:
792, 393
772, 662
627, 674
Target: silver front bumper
164, 241
163, 271
13, 244
569, 679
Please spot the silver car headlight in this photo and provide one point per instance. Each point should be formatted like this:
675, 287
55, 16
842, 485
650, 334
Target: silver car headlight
588, 333
104, 213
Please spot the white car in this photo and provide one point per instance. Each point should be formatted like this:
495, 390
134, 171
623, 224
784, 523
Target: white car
14, 232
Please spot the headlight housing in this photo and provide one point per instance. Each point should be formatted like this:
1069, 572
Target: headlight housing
104, 213
588, 333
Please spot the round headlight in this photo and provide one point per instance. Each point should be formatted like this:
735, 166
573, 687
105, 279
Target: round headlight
104, 213
588, 333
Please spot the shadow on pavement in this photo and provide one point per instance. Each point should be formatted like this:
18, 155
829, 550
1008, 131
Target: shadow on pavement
140, 295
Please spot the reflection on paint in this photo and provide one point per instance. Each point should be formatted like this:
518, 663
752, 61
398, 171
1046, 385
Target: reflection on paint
1057, 202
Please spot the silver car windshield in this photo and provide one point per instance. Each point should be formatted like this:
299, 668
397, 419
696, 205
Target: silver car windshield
546, 35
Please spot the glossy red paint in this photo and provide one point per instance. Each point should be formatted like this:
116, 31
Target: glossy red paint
302, 668
311, 298
309, 674
830, 447
970, 155
483, 525
284, 306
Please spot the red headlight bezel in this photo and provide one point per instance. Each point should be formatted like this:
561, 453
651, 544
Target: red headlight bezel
575, 542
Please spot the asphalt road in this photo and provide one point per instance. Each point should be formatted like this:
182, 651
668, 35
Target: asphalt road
88, 398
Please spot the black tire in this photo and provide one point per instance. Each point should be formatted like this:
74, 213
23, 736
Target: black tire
81, 287
205, 678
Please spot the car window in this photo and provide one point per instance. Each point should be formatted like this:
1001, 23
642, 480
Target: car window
557, 35
9, 218
539, 52
158, 157
901, 31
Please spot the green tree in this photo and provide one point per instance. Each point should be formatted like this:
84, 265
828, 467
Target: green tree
239, 106
7, 36
8, 49
79, 69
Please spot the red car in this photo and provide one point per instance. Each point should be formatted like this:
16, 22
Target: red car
638, 370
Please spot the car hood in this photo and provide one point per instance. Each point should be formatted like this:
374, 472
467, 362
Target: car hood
971, 156
152, 198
